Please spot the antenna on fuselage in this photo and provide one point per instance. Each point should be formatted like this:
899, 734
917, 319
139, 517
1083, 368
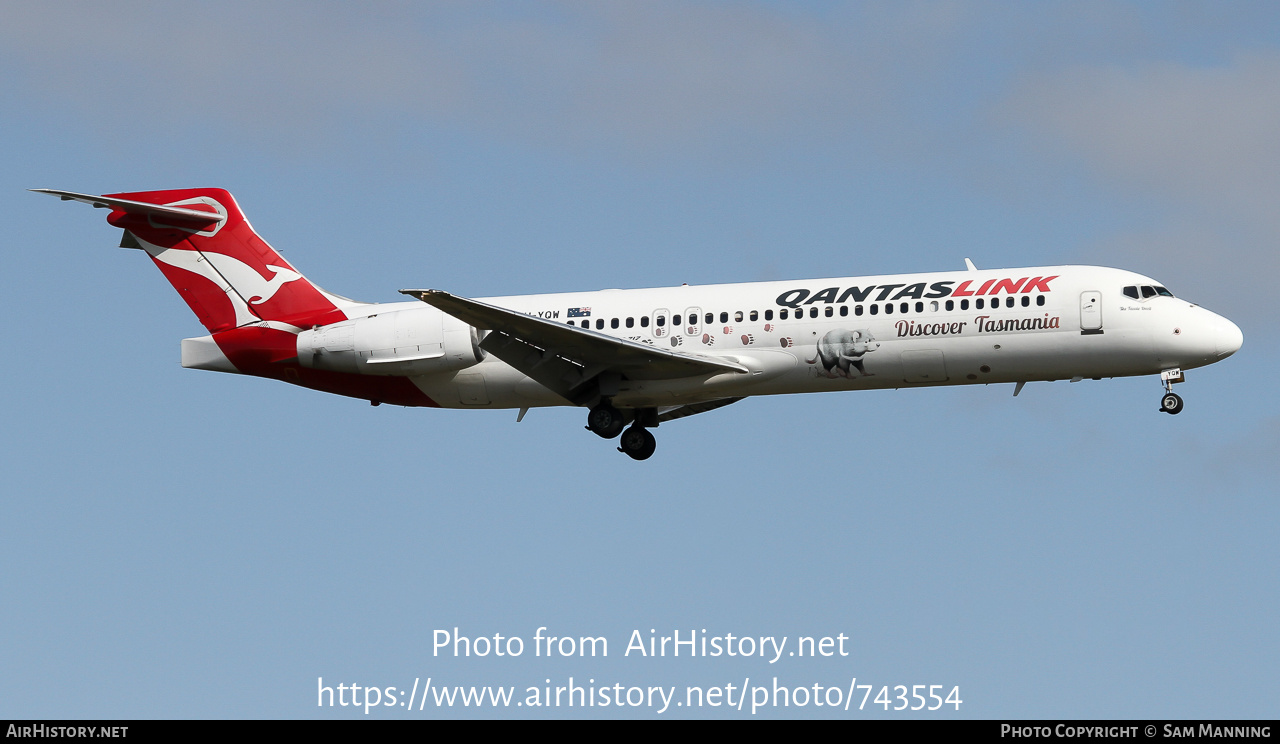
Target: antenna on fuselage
969, 265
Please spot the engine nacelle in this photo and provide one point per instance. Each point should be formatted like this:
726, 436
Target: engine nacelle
417, 341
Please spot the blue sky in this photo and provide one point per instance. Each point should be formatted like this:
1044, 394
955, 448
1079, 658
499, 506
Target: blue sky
179, 543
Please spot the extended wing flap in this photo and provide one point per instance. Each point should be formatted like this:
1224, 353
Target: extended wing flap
679, 412
559, 375
533, 346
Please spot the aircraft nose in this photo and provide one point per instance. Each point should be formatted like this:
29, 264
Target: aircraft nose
1227, 337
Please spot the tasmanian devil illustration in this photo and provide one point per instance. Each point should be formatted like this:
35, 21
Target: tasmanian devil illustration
839, 350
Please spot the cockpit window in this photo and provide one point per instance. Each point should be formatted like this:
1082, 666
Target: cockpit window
1148, 291
1131, 291
1163, 292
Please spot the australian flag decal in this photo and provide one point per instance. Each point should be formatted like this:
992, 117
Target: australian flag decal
579, 312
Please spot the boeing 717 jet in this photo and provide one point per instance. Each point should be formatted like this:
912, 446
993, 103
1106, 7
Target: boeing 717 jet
637, 358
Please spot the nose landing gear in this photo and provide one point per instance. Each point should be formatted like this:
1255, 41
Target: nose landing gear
1171, 402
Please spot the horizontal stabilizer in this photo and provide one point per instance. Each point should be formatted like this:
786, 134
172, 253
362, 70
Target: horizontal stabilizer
192, 217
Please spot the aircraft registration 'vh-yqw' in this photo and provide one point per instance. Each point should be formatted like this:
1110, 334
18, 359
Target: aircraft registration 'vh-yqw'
636, 358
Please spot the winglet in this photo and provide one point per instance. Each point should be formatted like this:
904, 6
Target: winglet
969, 264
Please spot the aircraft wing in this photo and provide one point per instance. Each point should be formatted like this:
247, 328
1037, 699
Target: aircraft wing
565, 358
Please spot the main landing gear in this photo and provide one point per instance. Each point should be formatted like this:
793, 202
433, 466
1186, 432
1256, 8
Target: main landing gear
636, 442
1171, 402
606, 421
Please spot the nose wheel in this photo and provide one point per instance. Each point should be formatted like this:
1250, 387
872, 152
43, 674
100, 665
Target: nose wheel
637, 443
1171, 402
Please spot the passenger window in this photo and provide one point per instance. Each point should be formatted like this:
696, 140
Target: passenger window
724, 317
613, 323
979, 303
631, 322
675, 320
1008, 302
920, 307
1131, 291
1040, 299
768, 315
933, 306
813, 312
844, 311
875, 309
662, 320
857, 310
782, 314
644, 321
737, 317
830, 311
599, 324
754, 316
964, 305
1026, 301
888, 308
711, 318
1148, 292
951, 305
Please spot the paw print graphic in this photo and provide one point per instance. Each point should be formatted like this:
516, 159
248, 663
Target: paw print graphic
676, 340
748, 339
708, 339
786, 341
768, 327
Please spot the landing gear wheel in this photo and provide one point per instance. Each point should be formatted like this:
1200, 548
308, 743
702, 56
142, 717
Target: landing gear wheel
605, 420
1171, 403
637, 443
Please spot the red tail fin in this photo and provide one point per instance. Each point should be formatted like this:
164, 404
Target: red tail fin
228, 275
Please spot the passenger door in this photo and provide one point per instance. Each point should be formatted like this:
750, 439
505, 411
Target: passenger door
1091, 312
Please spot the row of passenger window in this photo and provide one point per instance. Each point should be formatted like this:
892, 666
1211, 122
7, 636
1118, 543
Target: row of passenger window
827, 311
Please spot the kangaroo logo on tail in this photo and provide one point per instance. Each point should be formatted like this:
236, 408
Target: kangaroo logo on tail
246, 281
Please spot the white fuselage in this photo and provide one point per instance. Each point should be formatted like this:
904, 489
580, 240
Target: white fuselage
1049, 323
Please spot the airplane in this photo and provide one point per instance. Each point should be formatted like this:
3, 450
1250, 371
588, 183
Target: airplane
637, 358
